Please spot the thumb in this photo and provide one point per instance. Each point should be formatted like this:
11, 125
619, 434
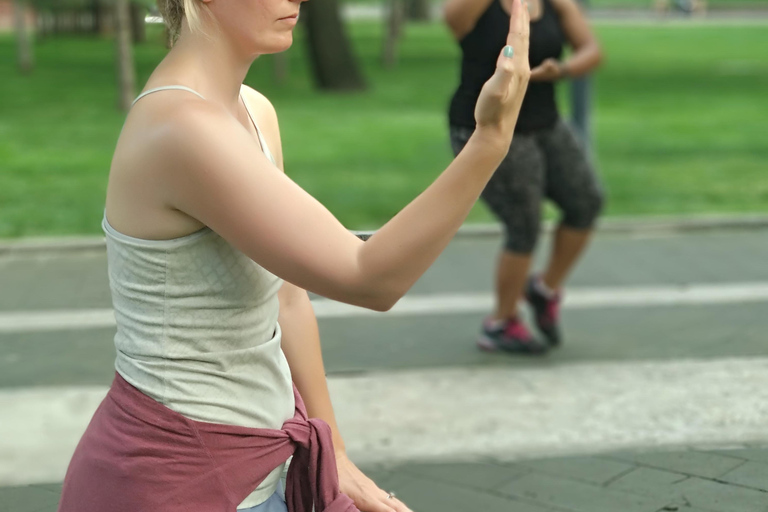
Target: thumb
505, 63
505, 71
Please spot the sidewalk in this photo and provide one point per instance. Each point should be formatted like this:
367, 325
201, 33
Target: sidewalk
630, 366
685, 481
734, 480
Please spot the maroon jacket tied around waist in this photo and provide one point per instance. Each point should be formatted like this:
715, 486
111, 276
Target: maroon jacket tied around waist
139, 456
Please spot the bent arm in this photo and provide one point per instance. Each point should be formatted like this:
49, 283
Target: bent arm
219, 176
587, 54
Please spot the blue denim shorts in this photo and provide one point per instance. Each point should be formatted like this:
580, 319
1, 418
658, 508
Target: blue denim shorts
275, 503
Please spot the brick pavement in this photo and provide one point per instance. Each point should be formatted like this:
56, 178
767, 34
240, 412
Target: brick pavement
733, 480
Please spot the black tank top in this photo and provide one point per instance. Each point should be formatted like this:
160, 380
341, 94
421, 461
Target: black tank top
480, 49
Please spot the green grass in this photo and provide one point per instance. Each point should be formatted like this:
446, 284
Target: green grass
679, 123
631, 4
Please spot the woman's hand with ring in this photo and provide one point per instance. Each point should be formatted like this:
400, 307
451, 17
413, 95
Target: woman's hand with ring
368, 497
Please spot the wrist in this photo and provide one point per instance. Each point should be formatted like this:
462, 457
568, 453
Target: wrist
563, 71
340, 453
491, 142
338, 447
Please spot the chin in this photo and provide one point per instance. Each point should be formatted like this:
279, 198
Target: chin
276, 45
285, 43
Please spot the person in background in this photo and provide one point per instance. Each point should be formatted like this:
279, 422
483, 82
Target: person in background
544, 161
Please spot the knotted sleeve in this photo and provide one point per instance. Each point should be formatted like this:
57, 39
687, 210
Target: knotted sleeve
313, 479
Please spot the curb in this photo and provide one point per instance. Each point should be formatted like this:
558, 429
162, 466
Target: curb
644, 225
614, 225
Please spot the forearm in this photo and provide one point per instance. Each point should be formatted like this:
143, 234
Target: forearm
301, 346
583, 60
401, 251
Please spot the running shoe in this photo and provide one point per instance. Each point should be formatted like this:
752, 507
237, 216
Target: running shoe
510, 336
546, 311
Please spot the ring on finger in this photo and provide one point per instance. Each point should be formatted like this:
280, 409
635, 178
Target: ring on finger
391, 495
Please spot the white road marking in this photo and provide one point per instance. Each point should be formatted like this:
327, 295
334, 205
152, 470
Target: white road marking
445, 304
59, 320
504, 413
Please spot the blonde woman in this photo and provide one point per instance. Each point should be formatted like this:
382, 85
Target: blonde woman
211, 247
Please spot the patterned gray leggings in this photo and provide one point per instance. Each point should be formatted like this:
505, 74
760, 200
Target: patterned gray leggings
545, 164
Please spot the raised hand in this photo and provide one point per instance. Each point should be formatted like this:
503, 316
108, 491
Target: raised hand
499, 102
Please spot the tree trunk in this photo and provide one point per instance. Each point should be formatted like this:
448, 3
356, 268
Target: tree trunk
106, 20
96, 8
333, 63
126, 78
41, 25
138, 25
23, 44
392, 32
418, 10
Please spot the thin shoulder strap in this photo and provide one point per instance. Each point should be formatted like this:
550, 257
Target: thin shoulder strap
263, 142
166, 88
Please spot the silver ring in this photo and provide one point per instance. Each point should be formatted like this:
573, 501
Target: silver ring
391, 495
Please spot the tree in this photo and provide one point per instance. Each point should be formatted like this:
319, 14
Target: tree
418, 10
393, 31
23, 44
138, 24
126, 76
332, 60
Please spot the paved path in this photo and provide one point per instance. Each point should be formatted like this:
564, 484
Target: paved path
657, 405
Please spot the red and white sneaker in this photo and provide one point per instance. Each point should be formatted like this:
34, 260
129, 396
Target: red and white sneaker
510, 336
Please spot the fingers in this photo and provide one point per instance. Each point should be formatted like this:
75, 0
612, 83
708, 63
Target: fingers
519, 28
394, 504
400, 506
378, 505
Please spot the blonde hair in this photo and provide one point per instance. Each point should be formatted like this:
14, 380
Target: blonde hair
174, 12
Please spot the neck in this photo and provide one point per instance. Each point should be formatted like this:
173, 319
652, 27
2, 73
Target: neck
208, 64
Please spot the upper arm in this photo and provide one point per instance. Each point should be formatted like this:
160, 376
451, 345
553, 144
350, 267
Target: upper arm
462, 15
574, 23
289, 294
218, 175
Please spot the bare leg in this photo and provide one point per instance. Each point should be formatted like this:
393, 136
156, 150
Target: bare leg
511, 276
568, 245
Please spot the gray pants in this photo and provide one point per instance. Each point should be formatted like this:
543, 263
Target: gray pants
544, 164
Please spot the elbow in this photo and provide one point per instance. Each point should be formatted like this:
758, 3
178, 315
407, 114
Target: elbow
377, 285
378, 296
598, 56
599, 59
380, 302
384, 304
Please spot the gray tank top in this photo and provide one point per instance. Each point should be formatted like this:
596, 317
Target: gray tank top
197, 329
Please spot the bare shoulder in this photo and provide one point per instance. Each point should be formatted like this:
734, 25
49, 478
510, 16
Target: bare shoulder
167, 140
181, 128
266, 118
258, 101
